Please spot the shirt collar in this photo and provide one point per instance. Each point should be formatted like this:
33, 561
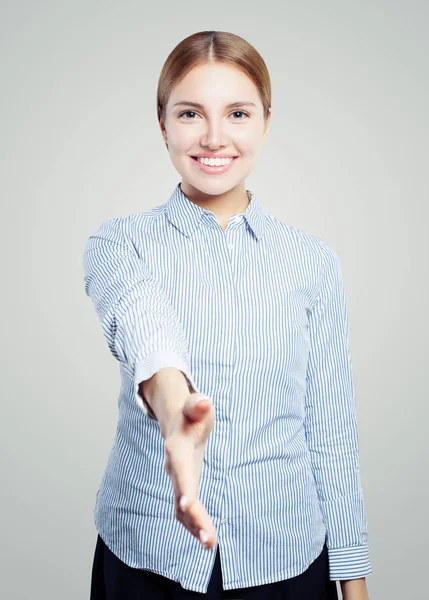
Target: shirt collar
187, 216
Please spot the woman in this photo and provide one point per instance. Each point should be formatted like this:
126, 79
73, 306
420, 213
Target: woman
249, 488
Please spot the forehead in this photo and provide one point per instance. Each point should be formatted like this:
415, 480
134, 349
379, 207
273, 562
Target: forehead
215, 83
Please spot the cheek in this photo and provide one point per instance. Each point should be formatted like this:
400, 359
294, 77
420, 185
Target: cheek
247, 139
181, 139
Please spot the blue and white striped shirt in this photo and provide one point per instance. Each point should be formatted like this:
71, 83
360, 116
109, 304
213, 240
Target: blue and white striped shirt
255, 316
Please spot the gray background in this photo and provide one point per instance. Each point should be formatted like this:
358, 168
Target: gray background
345, 159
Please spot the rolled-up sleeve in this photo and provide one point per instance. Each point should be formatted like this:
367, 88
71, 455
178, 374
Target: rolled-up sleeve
140, 326
331, 427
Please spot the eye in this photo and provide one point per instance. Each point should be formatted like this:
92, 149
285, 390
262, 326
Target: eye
240, 112
187, 112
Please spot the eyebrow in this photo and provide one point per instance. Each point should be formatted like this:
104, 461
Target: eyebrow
231, 105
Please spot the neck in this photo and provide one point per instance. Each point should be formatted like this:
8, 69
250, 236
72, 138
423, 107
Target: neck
232, 202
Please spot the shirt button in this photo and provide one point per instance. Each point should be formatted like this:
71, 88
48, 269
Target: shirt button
230, 246
224, 520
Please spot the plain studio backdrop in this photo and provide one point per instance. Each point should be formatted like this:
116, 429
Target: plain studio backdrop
345, 159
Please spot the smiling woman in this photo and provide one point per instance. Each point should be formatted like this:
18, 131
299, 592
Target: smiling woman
214, 101
209, 290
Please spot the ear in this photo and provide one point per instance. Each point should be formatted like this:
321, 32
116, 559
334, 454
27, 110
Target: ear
163, 132
267, 122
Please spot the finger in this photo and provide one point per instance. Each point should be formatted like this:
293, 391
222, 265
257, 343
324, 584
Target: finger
208, 540
196, 518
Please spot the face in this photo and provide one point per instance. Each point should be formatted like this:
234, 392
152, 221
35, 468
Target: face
217, 126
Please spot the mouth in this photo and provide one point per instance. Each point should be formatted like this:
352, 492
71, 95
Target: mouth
213, 170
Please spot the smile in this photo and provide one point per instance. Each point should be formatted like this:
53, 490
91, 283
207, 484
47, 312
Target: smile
223, 164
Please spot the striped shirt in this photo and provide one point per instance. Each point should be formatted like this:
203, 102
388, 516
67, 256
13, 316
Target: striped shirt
255, 317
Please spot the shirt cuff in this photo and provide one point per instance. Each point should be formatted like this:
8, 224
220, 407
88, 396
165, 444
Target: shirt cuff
150, 365
351, 562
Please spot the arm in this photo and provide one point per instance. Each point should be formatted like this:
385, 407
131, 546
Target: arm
331, 427
139, 324
354, 589
165, 393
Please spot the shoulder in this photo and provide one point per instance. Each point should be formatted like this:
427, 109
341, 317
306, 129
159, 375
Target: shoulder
130, 227
306, 245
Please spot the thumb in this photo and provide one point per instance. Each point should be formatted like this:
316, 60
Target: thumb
196, 406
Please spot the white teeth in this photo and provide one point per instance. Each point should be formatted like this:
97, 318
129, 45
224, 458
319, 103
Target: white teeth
215, 162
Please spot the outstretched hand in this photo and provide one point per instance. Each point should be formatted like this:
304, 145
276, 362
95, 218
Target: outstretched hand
184, 447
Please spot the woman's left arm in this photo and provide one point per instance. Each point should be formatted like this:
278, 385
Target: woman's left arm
354, 589
331, 432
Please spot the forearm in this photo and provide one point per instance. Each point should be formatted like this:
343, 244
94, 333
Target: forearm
165, 392
354, 589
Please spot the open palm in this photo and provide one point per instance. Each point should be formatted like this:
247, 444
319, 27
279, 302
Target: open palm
184, 447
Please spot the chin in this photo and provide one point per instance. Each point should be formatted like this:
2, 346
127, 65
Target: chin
213, 188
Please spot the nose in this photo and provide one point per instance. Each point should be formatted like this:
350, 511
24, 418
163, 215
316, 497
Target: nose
213, 136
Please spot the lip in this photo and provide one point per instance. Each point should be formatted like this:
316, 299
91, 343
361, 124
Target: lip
207, 155
214, 170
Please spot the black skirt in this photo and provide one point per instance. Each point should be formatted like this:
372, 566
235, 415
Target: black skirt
114, 580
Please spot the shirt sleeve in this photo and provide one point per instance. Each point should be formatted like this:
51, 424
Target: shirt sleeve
140, 326
331, 427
